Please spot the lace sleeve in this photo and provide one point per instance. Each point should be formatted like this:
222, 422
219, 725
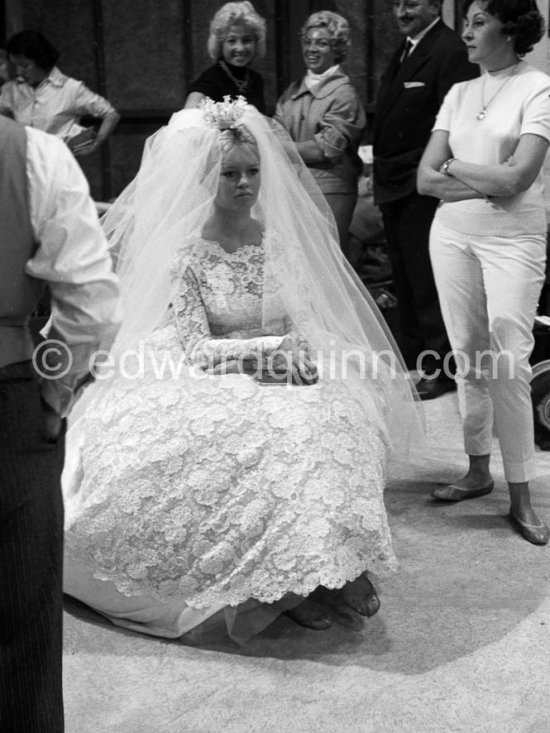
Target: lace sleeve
194, 333
297, 335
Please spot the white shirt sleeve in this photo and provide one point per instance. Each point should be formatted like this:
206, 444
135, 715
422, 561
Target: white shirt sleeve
72, 257
536, 111
87, 102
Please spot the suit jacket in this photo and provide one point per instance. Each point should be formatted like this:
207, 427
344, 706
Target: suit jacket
408, 101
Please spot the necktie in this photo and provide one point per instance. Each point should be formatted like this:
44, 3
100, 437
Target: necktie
407, 50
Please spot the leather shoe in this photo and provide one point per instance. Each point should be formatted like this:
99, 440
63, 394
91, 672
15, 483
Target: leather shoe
457, 493
361, 596
429, 389
537, 534
310, 615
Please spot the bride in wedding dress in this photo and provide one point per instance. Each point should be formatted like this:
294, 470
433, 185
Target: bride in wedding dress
229, 460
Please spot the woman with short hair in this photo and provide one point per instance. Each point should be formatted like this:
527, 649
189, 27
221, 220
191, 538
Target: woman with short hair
44, 98
488, 244
323, 115
237, 37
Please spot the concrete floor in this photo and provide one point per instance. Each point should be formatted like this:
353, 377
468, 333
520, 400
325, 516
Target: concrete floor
461, 643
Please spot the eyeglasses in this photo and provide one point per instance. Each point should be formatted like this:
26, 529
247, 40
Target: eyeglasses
321, 43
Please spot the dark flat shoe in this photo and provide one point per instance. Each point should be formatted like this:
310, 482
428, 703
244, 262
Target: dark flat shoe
310, 615
537, 534
371, 605
430, 389
457, 493
340, 612
368, 603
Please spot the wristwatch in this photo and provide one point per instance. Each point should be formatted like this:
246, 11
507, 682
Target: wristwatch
445, 166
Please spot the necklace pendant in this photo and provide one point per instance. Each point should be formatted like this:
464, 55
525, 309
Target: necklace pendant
242, 85
481, 115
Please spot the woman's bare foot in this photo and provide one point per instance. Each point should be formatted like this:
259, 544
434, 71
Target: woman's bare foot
311, 615
360, 595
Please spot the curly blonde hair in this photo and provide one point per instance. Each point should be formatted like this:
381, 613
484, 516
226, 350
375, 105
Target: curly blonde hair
229, 15
338, 28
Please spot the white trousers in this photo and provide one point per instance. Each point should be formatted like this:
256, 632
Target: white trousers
489, 288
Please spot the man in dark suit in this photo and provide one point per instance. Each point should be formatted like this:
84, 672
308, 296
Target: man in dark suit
426, 64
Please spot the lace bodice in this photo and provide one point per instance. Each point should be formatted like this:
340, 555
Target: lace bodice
218, 303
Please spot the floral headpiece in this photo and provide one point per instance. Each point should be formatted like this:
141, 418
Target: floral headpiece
223, 115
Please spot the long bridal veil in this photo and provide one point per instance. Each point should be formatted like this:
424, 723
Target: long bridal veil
306, 276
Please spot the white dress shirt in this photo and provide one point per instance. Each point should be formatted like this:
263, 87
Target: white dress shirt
72, 257
55, 105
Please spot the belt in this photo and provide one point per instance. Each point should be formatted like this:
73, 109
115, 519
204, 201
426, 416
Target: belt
16, 344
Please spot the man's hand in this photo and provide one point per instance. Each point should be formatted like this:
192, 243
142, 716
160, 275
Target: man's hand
53, 423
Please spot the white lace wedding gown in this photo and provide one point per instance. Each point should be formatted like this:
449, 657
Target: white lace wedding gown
195, 495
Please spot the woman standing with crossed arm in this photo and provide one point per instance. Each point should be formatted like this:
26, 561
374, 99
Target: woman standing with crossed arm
488, 243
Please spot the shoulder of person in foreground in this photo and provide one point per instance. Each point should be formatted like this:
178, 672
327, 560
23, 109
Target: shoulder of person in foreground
72, 257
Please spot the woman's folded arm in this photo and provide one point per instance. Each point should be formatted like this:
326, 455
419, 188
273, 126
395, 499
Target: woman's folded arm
430, 181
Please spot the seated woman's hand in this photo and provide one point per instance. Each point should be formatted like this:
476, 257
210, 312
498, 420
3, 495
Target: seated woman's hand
290, 364
305, 372
250, 367
227, 366
293, 361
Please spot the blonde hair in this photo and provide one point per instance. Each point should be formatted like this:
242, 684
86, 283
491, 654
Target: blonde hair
229, 15
228, 140
338, 28
239, 135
